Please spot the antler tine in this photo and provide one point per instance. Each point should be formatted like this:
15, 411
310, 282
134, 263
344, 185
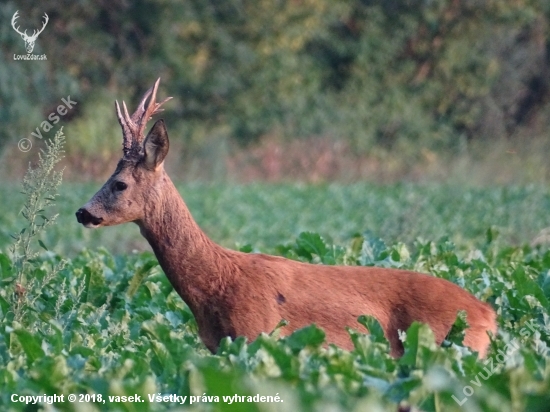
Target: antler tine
126, 130
146, 109
129, 121
150, 95
118, 114
133, 126
154, 107
138, 114
157, 106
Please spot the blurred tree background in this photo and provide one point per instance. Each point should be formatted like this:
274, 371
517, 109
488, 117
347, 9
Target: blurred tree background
367, 81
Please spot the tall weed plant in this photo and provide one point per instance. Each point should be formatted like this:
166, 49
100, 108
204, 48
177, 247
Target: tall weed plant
30, 277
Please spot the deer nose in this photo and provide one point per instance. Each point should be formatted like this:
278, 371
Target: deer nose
85, 217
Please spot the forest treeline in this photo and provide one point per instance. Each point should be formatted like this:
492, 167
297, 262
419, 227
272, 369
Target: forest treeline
396, 74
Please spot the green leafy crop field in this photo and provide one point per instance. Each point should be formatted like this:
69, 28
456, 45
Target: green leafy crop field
105, 330
268, 215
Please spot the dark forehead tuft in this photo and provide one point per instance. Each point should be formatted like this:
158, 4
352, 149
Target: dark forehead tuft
131, 166
125, 164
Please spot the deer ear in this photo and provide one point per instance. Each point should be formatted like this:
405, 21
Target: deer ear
156, 145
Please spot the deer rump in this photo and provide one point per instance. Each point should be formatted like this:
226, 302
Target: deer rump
237, 294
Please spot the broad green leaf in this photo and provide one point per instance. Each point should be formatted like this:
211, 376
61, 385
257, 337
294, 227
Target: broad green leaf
31, 344
308, 336
376, 333
246, 248
6, 269
309, 243
139, 276
418, 336
372, 251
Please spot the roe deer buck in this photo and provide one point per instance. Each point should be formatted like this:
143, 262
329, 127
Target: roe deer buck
233, 293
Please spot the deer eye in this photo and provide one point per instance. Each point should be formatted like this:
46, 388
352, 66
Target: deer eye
120, 186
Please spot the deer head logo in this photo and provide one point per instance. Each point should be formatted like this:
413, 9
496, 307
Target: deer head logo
29, 40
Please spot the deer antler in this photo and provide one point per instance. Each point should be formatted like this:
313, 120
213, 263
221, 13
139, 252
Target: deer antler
13, 19
134, 126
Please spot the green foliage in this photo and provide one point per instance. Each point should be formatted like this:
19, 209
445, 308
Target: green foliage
380, 74
98, 138
264, 216
457, 332
116, 343
102, 326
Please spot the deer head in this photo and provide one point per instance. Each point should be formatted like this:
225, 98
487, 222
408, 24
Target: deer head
139, 173
29, 40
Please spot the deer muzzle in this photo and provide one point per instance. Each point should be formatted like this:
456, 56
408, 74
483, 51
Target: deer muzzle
87, 219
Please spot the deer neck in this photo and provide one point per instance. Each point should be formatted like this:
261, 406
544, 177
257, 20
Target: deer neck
194, 264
